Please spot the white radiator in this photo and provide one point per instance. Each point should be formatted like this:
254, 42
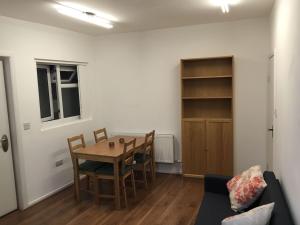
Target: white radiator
163, 146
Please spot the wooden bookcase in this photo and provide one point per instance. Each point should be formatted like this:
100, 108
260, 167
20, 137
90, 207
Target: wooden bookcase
207, 116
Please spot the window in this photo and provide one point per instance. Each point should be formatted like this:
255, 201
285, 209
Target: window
58, 91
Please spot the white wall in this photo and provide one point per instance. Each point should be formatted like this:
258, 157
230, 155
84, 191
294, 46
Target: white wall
138, 78
134, 79
286, 47
38, 150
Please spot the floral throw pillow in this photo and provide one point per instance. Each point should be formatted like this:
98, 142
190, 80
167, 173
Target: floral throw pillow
244, 189
258, 216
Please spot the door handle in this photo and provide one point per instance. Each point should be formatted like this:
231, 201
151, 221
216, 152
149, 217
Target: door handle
4, 143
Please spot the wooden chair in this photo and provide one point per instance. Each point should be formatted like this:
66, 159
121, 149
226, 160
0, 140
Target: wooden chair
145, 158
106, 172
100, 135
87, 168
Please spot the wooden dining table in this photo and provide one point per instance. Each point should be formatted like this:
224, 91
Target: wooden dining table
102, 152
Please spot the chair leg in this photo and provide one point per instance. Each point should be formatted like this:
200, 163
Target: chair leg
87, 182
124, 192
145, 176
151, 171
96, 190
133, 183
153, 165
75, 189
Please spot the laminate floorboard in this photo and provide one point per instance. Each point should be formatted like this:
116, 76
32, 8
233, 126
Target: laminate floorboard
171, 200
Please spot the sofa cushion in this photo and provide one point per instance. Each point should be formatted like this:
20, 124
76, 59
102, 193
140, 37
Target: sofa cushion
273, 193
258, 216
246, 188
214, 208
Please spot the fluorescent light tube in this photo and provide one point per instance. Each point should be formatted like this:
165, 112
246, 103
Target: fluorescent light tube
84, 8
88, 17
225, 7
225, 4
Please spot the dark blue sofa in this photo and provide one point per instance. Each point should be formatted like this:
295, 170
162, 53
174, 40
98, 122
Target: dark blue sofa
216, 205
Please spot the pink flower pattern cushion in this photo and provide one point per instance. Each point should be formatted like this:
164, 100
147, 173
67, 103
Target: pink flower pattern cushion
244, 189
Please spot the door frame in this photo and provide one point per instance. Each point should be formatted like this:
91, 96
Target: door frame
15, 125
270, 113
274, 113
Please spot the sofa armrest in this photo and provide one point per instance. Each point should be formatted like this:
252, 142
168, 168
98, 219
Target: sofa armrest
216, 184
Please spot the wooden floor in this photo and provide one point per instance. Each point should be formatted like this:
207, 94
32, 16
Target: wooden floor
171, 200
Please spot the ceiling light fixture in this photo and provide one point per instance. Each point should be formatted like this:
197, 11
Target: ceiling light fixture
225, 7
85, 14
224, 4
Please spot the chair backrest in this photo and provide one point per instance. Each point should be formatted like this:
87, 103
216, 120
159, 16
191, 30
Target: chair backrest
149, 144
128, 154
74, 143
100, 135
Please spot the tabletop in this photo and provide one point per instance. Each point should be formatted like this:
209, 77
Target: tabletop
103, 149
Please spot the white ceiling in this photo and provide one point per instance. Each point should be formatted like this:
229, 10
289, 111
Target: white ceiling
135, 15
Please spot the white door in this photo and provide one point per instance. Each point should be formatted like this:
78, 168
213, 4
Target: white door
8, 199
271, 113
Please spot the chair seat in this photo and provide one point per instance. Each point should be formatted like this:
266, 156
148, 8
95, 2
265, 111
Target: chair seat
90, 166
139, 158
108, 169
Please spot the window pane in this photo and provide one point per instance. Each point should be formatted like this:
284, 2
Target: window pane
45, 107
54, 92
68, 75
70, 99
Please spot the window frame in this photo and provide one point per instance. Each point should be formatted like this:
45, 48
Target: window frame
51, 117
60, 86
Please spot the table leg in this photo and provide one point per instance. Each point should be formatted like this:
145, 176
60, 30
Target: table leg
76, 182
117, 184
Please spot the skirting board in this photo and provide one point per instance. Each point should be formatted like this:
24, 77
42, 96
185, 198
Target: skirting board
48, 195
171, 168
193, 176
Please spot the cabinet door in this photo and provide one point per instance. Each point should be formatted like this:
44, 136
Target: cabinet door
219, 147
193, 147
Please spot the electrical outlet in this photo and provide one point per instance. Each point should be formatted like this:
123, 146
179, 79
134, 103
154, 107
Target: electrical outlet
59, 163
27, 126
